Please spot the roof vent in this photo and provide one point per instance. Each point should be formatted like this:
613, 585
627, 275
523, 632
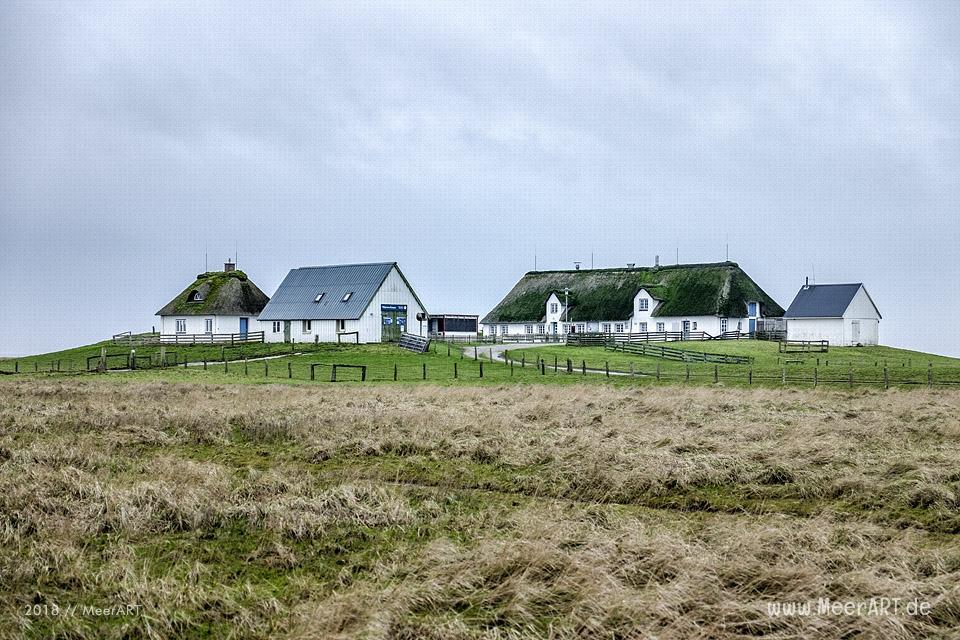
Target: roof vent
229, 266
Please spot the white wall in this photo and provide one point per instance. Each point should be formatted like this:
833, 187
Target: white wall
197, 324
831, 329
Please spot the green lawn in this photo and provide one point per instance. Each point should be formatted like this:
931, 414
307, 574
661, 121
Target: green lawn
866, 364
446, 364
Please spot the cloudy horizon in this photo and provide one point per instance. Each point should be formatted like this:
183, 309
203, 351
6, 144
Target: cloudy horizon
138, 140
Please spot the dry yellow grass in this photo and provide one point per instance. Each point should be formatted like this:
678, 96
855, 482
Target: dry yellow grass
564, 512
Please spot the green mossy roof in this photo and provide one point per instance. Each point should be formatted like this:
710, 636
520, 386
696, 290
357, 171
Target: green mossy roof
721, 289
225, 293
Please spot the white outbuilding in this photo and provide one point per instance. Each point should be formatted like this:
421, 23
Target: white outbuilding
843, 314
344, 303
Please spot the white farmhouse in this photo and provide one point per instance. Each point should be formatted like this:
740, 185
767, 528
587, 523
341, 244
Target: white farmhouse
712, 298
843, 314
344, 303
219, 306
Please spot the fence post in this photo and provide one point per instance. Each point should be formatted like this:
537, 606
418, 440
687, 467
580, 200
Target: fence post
394, 371
481, 368
424, 370
16, 366
204, 364
266, 368
133, 358
815, 381
930, 376
313, 373
289, 370
606, 366
716, 373
163, 356
851, 378
225, 366
583, 365
658, 372
511, 368
750, 376
333, 372
245, 371
783, 375
223, 351
886, 377
448, 349
58, 364
491, 354
688, 373
556, 366
523, 361
454, 370
475, 352
631, 369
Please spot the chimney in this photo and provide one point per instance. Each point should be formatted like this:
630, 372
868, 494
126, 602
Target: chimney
229, 266
806, 285
656, 261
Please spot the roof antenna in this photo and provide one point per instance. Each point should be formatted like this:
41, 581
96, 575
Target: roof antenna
591, 259
206, 266
814, 268
534, 258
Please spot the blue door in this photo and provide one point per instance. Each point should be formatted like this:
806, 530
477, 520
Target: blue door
753, 325
243, 326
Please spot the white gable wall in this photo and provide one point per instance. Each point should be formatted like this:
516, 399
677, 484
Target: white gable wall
840, 331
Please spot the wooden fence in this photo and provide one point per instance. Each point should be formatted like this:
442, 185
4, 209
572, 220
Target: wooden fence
804, 346
211, 338
680, 355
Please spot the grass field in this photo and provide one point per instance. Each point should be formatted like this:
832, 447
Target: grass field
446, 364
478, 512
837, 365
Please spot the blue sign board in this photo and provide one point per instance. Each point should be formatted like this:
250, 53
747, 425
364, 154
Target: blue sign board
393, 308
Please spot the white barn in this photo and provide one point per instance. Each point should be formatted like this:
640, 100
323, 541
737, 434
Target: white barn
344, 303
712, 298
218, 304
843, 314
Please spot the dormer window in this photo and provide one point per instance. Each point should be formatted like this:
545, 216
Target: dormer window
319, 297
195, 296
644, 304
346, 296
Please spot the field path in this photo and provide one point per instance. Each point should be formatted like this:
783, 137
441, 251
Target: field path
498, 350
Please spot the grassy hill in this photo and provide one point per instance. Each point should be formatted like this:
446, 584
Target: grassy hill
209, 510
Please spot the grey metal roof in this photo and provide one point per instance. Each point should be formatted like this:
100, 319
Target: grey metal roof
294, 299
823, 300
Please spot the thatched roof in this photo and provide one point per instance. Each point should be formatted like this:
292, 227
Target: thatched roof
221, 293
721, 289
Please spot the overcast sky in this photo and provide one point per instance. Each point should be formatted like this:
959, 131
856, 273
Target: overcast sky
137, 137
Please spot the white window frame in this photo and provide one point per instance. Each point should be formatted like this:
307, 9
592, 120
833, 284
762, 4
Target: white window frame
723, 325
307, 326
493, 329
566, 328
644, 304
661, 327
180, 325
277, 326
553, 307
605, 327
618, 327
504, 329
643, 327
541, 328
581, 328
208, 326
528, 328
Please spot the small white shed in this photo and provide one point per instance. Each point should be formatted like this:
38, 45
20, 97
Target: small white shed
843, 314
